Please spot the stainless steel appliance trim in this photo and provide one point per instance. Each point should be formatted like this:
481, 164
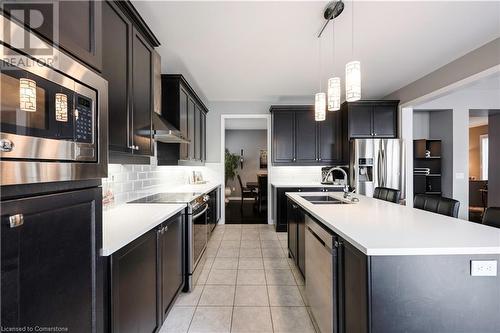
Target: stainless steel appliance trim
24, 172
321, 234
200, 213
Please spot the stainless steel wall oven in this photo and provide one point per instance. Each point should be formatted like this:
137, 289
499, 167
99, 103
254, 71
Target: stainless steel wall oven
53, 119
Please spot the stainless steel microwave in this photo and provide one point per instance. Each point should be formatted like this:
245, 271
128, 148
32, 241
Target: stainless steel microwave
53, 118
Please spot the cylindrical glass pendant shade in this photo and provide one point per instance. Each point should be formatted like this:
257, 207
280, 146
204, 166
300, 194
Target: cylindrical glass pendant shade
334, 94
61, 107
320, 107
27, 95
353, 81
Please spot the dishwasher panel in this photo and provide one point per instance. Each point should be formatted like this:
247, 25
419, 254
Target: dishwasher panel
321, 280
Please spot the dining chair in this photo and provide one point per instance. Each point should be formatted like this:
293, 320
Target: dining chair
387, 194
491, 217
262, 194
246, 192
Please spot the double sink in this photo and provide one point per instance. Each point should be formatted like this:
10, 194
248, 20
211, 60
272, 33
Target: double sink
326, 200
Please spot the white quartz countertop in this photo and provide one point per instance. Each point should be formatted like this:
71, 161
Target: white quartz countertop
124, 223
380, 228
303, 184
195, 188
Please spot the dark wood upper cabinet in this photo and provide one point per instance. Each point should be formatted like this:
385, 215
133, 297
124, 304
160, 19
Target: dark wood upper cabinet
371, 119
300, 140
77, 29
116, 65
306, 149
142, 87
183, 108
283, 137
127, 53
80, 30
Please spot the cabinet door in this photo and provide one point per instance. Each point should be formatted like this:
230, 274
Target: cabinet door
305, 137
283, 137
330, 139
282, 207
292, 229
80, 30
191, 127
115, 69
142, 83
203, 136
385, 121
172, 256
301, 241
360, 121
51, 270
134, 284
197, 133
183, 122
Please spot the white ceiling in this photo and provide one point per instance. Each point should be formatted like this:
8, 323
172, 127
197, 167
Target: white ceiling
246, 124
266, 51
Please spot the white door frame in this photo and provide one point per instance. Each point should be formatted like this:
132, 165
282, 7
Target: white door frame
406, 122
267, 117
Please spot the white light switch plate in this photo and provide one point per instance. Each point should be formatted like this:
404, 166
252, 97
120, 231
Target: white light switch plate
483, 268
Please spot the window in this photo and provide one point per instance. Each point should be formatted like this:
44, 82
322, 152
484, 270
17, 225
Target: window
483, 142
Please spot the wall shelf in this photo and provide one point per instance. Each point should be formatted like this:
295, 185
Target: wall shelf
431, 183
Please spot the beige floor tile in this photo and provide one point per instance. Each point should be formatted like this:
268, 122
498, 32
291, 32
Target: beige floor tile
250, 253
222, 276
298, 277
250, 226
270, 244
211, 319
228, 252
284, 296
225, 263
233, 226
190, 298
250, 244
302, 290
282, 277
251, 277
202, 279
291, 320
282, 235
252, 319
268, 236
251, 296
251, 263
214, 242
211, 252
250, 235
284, 244
276, 263
217, 295
273, 252
230, 243
208, 262
178, 319
270, 227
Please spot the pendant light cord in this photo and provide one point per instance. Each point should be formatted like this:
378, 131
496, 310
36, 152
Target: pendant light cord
319, 63
352, 30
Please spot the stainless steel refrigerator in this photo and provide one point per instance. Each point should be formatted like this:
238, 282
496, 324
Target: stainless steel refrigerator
377, 162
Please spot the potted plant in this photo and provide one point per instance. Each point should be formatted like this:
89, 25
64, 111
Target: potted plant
230, 166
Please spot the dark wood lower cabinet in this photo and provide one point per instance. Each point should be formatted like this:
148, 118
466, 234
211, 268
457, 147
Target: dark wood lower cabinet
296, 235
146, 276
51, 271
134, 286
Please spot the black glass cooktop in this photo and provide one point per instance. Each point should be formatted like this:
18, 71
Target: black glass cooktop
169, 198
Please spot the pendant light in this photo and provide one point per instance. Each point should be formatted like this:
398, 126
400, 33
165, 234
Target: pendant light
320, 97
352, 71
334, 82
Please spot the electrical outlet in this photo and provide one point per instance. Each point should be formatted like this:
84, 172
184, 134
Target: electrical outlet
483, 268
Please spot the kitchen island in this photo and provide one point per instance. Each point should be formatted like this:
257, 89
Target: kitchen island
399, 269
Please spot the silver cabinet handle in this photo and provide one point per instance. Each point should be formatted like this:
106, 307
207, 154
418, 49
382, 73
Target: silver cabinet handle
295, 206
16, 220
6, 145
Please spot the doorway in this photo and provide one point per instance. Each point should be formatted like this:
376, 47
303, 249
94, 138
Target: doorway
245, 149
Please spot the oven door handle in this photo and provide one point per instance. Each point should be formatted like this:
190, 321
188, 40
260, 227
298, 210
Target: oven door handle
200, 213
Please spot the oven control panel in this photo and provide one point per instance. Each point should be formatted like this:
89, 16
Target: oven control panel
84, 120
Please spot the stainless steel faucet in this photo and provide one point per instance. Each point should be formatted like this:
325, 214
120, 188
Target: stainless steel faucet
346, 186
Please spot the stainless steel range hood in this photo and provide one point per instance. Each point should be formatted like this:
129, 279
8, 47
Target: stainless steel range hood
163, 131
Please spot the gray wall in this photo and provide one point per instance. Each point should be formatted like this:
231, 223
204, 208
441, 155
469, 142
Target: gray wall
479, 60
493, 159
420, 124
441, 128
251, 141
438, 124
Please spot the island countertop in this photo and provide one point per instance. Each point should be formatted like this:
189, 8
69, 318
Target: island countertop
380, 228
